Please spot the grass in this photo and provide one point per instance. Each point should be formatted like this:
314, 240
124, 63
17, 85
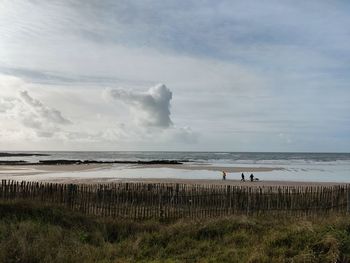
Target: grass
37, 233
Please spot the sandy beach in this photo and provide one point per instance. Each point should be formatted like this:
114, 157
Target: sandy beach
72, 174
232, 169
235, 182
38, 169
35, 169
19, 170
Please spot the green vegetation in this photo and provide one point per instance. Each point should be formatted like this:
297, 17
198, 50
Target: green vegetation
37, 233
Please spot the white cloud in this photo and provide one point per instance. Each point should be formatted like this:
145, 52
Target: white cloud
6, 104
35, 116
248, 77
182, 134
32, 114
41, 111
151, 108
151, 112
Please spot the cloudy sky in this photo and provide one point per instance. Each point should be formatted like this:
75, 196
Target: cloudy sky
175, 75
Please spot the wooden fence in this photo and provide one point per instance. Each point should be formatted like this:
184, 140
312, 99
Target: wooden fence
142, 200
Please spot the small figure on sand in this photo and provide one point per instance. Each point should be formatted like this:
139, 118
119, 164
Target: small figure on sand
243, 178
252, 178
223, 175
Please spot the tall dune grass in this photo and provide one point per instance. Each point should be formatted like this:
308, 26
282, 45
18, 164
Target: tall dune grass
36, 233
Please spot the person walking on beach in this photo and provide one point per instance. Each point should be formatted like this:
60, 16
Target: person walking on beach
223, 175
252, 178
243, 178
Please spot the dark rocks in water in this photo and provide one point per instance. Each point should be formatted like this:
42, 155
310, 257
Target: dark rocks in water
69, 162
3, 154
59, 162
77, 162
160, 162
13, 162
139, 162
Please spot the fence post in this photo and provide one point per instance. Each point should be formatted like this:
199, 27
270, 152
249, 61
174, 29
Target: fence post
164, 201
228, 199
348, 200
161, 208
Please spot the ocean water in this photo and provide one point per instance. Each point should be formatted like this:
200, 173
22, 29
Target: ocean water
325, 167
196, 157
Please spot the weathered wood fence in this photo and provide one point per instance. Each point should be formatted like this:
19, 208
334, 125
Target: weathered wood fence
142, 200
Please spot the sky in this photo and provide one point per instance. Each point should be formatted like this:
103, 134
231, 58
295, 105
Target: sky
175, 75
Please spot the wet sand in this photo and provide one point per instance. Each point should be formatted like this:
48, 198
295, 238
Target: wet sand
19, 170
11, 172
38, 169
231, 169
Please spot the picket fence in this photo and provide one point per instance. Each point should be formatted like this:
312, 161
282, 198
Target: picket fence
145, 200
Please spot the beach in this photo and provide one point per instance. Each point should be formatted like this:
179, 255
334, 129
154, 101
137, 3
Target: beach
192, 192
272, 169
106, 173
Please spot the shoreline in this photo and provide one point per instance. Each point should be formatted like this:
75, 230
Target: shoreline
23, 170
37, 169
214, 168
37, 173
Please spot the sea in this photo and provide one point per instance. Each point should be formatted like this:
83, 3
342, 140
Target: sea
322, 167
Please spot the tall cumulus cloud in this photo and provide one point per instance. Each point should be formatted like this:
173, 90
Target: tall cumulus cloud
150, 108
